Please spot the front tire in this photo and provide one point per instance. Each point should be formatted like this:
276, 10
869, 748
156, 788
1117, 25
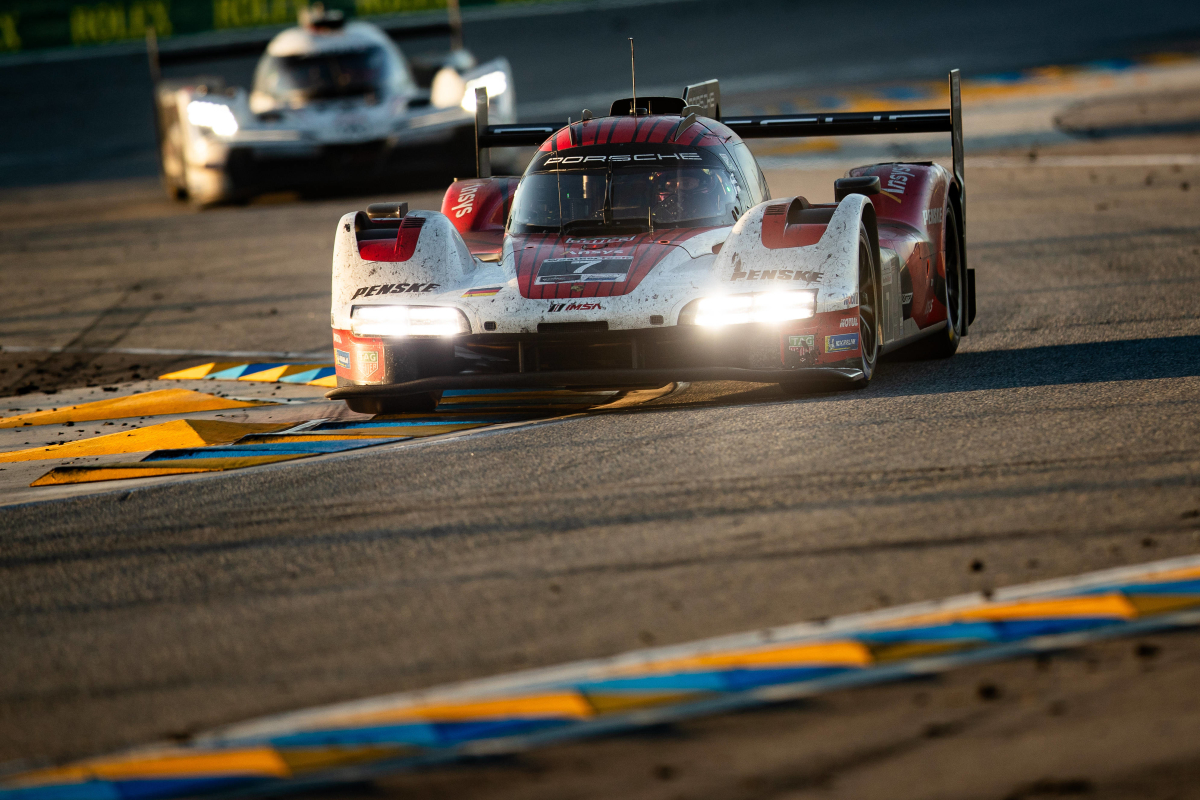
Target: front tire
869, 305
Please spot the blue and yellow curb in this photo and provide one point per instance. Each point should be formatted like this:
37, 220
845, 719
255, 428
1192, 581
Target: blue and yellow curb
189, 446
358, 740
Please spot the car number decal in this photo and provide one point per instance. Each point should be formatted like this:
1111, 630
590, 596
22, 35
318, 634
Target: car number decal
584, 269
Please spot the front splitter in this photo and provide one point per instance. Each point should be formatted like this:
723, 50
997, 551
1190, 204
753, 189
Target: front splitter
610, 378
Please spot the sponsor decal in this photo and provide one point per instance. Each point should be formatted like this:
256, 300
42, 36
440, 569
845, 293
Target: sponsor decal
897, 182
898, 178
775, 275
584, 269
849, 322
342, 358
596, 250
802, 344
598, 240
466, 199
368, 363
394, 288
840, 342
933, 216
574, 306
483, 291
674, 158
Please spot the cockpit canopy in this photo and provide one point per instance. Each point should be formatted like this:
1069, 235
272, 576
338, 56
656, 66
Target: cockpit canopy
303, 65
632, 189
633, 199
295, 80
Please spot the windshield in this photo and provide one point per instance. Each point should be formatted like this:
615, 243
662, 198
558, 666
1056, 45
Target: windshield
322, 76
626, 199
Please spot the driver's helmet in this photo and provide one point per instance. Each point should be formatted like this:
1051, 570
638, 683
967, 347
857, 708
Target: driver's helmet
684, 194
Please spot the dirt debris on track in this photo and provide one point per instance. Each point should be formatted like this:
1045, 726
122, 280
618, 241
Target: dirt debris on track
1064, 437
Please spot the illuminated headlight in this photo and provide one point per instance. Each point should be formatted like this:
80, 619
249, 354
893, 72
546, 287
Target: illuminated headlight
407, 321
217, 117
738, 309
496, 84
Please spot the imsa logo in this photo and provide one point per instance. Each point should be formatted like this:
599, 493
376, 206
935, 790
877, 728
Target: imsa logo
574, 306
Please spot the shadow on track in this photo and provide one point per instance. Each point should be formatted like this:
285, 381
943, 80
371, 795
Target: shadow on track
1053, 365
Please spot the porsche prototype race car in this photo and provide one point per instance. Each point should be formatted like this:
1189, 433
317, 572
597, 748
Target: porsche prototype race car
333, 103
644, 247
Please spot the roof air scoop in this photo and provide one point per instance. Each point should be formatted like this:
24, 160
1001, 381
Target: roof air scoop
646, 105
316, 19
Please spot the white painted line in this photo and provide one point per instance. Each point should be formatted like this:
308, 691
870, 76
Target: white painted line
801, 162
1148, 160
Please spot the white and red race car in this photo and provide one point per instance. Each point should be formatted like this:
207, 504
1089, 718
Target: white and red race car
644, 247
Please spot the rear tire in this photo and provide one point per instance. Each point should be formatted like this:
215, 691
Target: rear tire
868, 308
404, 404
953, 296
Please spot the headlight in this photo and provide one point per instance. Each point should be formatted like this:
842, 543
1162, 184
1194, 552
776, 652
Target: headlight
738, 309
496, 84
217, 117
407, 321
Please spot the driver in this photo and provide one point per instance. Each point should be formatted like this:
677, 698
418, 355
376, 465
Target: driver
683, 195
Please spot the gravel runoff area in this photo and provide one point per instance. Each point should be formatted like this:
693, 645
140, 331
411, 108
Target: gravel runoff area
1064, 437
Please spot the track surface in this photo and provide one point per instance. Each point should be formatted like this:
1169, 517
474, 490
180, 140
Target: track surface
1064, 437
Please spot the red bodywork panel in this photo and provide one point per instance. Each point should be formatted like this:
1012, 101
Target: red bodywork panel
910, 209
479, 207
778, 234
358, 359
636, 254
827, 339
399, 249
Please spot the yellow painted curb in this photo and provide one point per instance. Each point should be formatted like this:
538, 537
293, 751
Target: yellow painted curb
551, 704
165, 435
256, 761
847, 653
149, 469
198, 372
147, 404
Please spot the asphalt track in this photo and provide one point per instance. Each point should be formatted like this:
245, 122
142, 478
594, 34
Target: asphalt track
1062, 438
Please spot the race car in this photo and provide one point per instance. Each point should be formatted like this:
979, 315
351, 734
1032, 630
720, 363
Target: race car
334, 104
643, 248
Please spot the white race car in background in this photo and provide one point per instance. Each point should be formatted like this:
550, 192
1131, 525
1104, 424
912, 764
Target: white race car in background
333, 104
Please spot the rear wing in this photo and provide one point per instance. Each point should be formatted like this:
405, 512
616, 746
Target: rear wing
705, 98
